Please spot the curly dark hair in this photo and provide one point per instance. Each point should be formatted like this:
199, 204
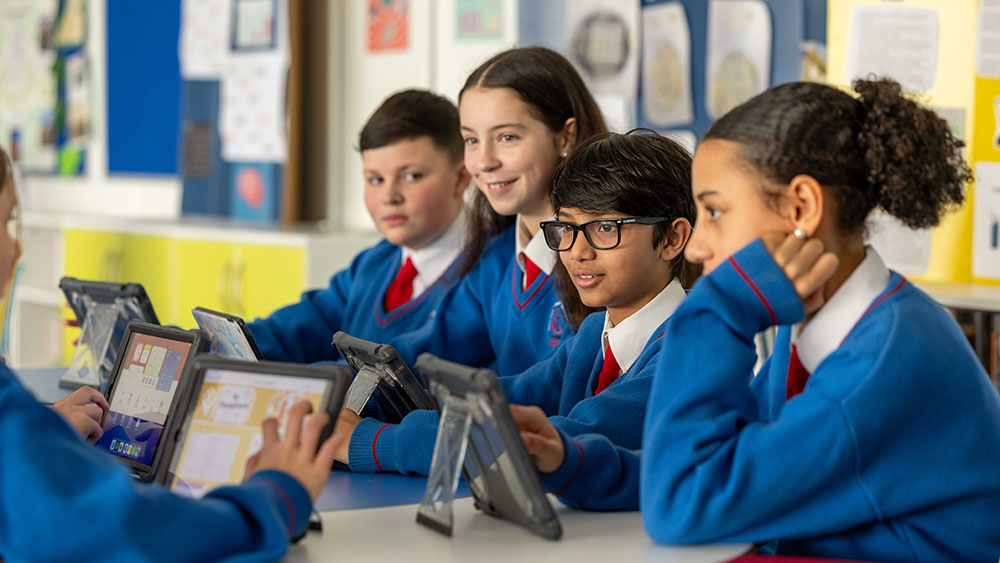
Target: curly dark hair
640, 174
879, 150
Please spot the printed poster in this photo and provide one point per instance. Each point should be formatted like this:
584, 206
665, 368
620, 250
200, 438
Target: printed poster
738, 65
666, 65
894, 40
204, 38
478, 19
603, 40
388, 25
986, 221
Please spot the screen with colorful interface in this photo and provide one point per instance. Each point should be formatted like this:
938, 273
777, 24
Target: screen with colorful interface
142, 394
224, 425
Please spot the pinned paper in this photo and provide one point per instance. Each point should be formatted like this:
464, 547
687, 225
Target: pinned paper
905, 250
478, 19
988, 39
666, 65
986, 221
603, 40
897, 41
203, 47
388, 25
739, 53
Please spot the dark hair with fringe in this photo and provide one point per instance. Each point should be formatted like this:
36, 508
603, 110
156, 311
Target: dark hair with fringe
410, 114
554, 93
879, 150
639, 174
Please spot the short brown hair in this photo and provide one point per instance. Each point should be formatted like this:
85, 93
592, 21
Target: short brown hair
414, 113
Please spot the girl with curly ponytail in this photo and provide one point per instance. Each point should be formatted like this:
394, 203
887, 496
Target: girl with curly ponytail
872, 431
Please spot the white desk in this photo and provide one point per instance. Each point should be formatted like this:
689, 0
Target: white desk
392, 534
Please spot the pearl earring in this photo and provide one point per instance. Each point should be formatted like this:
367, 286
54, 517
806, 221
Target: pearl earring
799, 233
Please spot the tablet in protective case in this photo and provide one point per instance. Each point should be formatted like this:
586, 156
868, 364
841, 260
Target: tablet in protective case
228, 335
498, 469
398, 391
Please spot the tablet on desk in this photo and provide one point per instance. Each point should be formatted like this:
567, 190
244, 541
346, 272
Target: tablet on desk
146, 384
228, 335
382, 373
498, 469
221, 422
132, 297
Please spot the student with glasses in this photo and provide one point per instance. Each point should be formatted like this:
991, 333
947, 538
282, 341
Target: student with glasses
630, 195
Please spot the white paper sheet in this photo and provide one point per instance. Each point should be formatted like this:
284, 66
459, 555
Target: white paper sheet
988, 38
203, 47
986, 221
739, 53
666, 65
603, 38
903, 249
210, 456
894, 40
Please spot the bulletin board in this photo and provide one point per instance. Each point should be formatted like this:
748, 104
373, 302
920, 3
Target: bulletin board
143, 86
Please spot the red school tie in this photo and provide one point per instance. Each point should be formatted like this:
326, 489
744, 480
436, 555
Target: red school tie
531, 271
401, 288
797, 375
609, 371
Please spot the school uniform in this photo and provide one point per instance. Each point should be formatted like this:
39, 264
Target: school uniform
594, 389
504, 314
358, 300
65, 500
883, 446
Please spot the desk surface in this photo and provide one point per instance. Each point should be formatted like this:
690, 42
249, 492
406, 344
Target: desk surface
392, 534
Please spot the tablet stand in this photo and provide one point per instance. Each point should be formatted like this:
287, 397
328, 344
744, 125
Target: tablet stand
446, 466
92, 346
361, 389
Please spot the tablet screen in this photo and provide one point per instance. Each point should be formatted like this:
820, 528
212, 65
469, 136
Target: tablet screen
142, 395
224, 425
226, 336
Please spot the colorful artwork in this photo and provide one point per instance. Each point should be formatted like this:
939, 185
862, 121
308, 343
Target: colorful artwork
478, 19
388, 25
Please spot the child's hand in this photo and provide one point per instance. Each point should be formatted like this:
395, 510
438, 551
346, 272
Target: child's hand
346, 423
806, 265
296, 455
83, 410
540, 438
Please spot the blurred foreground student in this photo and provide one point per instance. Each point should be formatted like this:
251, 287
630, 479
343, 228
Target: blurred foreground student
411, 152
64, 500
623, 215
872, 432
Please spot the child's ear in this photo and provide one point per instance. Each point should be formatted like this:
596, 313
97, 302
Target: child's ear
567, 137
675, 240
805, 203
462, 180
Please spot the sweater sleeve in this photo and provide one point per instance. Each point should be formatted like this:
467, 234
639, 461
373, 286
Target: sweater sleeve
540, 384
302, 332
406, 447
64, 500
596, 474
713, 469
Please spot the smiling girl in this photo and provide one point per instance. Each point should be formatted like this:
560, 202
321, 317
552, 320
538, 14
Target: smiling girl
872, 432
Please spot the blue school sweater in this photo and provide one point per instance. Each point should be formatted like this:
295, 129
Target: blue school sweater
302, 332
601, 434
488, 320
64, 500
891, 453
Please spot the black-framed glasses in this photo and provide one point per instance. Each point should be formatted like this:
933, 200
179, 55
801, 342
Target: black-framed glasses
602, 234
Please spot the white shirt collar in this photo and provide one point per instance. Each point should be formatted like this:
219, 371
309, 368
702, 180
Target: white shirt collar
434, 259
536, 249
628, 338
832, 323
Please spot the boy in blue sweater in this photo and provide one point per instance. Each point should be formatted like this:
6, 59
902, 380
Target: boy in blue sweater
414, 184
872, 432
623, 209
61, 499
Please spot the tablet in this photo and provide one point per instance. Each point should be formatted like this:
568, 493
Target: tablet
132, 296
145, 386
397, 391
221, 422
228, 335
498, 469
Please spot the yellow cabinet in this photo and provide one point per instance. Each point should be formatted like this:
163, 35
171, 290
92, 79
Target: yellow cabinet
205, 272
270, 277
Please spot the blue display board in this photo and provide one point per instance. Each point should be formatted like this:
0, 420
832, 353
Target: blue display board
143, 86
